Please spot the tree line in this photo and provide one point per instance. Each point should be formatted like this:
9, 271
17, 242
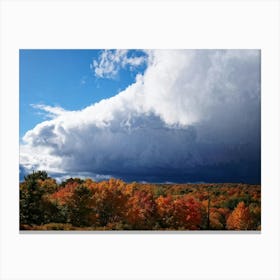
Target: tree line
83, 204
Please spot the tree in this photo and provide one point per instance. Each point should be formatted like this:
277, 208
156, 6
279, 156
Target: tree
240, 218
108, 202
187, 213
31, 202
80, 207
165, 211
141, 212
180, 213
35, 206
255, 211
43, 175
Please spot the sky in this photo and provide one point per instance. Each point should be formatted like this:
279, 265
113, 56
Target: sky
63, 78
141, 115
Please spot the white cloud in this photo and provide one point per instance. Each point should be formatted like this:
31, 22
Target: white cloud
111, 61
193, 115
52, 112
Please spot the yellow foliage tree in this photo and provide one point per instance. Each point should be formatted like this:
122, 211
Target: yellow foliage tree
240, 218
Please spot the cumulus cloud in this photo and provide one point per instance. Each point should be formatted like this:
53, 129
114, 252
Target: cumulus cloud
194, 115
111, 61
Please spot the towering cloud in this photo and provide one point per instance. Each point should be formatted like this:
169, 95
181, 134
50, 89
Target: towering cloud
194, 115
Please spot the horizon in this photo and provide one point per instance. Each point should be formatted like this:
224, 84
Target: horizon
61, 180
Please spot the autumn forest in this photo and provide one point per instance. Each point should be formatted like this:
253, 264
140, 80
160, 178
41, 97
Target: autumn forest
77, 204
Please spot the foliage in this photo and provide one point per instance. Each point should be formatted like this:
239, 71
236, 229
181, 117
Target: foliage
77, 204
141, 210
240, 218
32, 202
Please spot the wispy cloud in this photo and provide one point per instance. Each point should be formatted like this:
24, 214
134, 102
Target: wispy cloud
51, 112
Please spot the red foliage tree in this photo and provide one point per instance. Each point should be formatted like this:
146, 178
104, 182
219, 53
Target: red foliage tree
141, 212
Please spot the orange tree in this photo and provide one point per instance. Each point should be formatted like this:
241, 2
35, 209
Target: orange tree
240, 218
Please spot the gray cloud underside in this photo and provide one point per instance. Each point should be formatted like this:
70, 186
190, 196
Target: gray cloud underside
192, 116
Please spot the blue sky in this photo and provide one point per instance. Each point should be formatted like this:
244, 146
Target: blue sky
63, 78
141, 115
